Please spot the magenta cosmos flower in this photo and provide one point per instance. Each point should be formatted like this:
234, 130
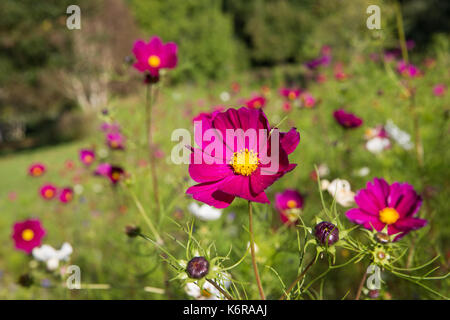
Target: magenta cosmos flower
155, 55
36, 169
66, 195
28, 234
256, 102
308, 101
115, 140
48, 191
347, 120
290, 94
289, 204
394, 206
87, 156
408, 70
243, 166
439, 90
113, 173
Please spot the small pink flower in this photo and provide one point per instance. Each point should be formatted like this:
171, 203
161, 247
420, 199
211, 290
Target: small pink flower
28, 234
48, 191
439, 90
36, 169
308, 100
289, 204
87, 156
115, 140
257, 102
287, 107
408, 70
347, 120
290, 94
66, 195
155, 55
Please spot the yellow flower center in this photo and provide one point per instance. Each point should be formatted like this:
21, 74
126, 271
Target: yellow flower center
48, 193
291, 204
245, 162
389, 215
88, 158
37, 171
27, 234
257, 104
205, 293
115, 176
291, 95
114, 144
154, 61
68, 196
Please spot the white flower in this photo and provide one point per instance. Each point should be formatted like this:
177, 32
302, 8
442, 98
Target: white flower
51, 256
341, 190
78, 188
377, 144
208, 292
224, 96
401, 137
364, 171
204, 212
323, 170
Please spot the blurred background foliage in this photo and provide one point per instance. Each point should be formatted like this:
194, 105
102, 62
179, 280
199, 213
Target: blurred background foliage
76, 72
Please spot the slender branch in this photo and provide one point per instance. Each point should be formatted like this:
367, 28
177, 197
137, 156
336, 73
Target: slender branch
226, 294
252, 250
300, 277
361, 285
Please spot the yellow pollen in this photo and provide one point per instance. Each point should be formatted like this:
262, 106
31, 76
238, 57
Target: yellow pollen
114, 144
245, 162
257, 104
389, 215
27, 234
154, 61
291, 204
205, 293
291, 95
37, 171
88, 159
68, 196
48, 193
115, 175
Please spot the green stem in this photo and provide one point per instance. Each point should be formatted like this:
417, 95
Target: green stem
146, 218
252, 250
300, 277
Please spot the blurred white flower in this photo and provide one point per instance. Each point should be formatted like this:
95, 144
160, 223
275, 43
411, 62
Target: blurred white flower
256, 247
401, 137
103, 153
364, 171
224, 96
378, 144
204, 212
323, 170
341, 190
97, 188
51, 256
78, 189
208, 292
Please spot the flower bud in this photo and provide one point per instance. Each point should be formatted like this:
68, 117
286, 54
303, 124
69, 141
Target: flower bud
132, 231
197, 268
381, 237
374, 294
326, 233
25, 280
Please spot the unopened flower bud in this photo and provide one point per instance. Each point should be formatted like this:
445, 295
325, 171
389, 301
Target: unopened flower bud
197, 268
381, 237
374, 294
26, 280
132, 231
326, 233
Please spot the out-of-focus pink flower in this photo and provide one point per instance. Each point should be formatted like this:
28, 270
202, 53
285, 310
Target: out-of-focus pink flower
48, 191
439, 90
308, 101
289, 93
408, 70
110, 127
36, 169
339, 72
289, 204
69, 165
27, 234
321, 78
235, 87
155, 55
347, 120
115, 140
287, 107
66, 195
87, 156
257, 102
12, 196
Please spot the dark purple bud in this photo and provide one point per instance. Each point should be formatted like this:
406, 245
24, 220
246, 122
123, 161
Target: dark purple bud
132, 231
150, 79
326, 233
381, 237
197, 268
25, 280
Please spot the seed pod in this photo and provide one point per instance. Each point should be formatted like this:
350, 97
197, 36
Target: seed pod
326, 232
197, 268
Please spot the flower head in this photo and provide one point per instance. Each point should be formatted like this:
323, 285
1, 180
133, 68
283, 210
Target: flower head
381, 205
205, 212
115, 140
289, 204
242, 162
256, 102
290, 94
154, 55
308, 101
48, 191
197, 267
339, 189
408, 70
347, 120
51, 256
326, 233
28, 234
66, 195
87, 156
439, 90
36, 169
